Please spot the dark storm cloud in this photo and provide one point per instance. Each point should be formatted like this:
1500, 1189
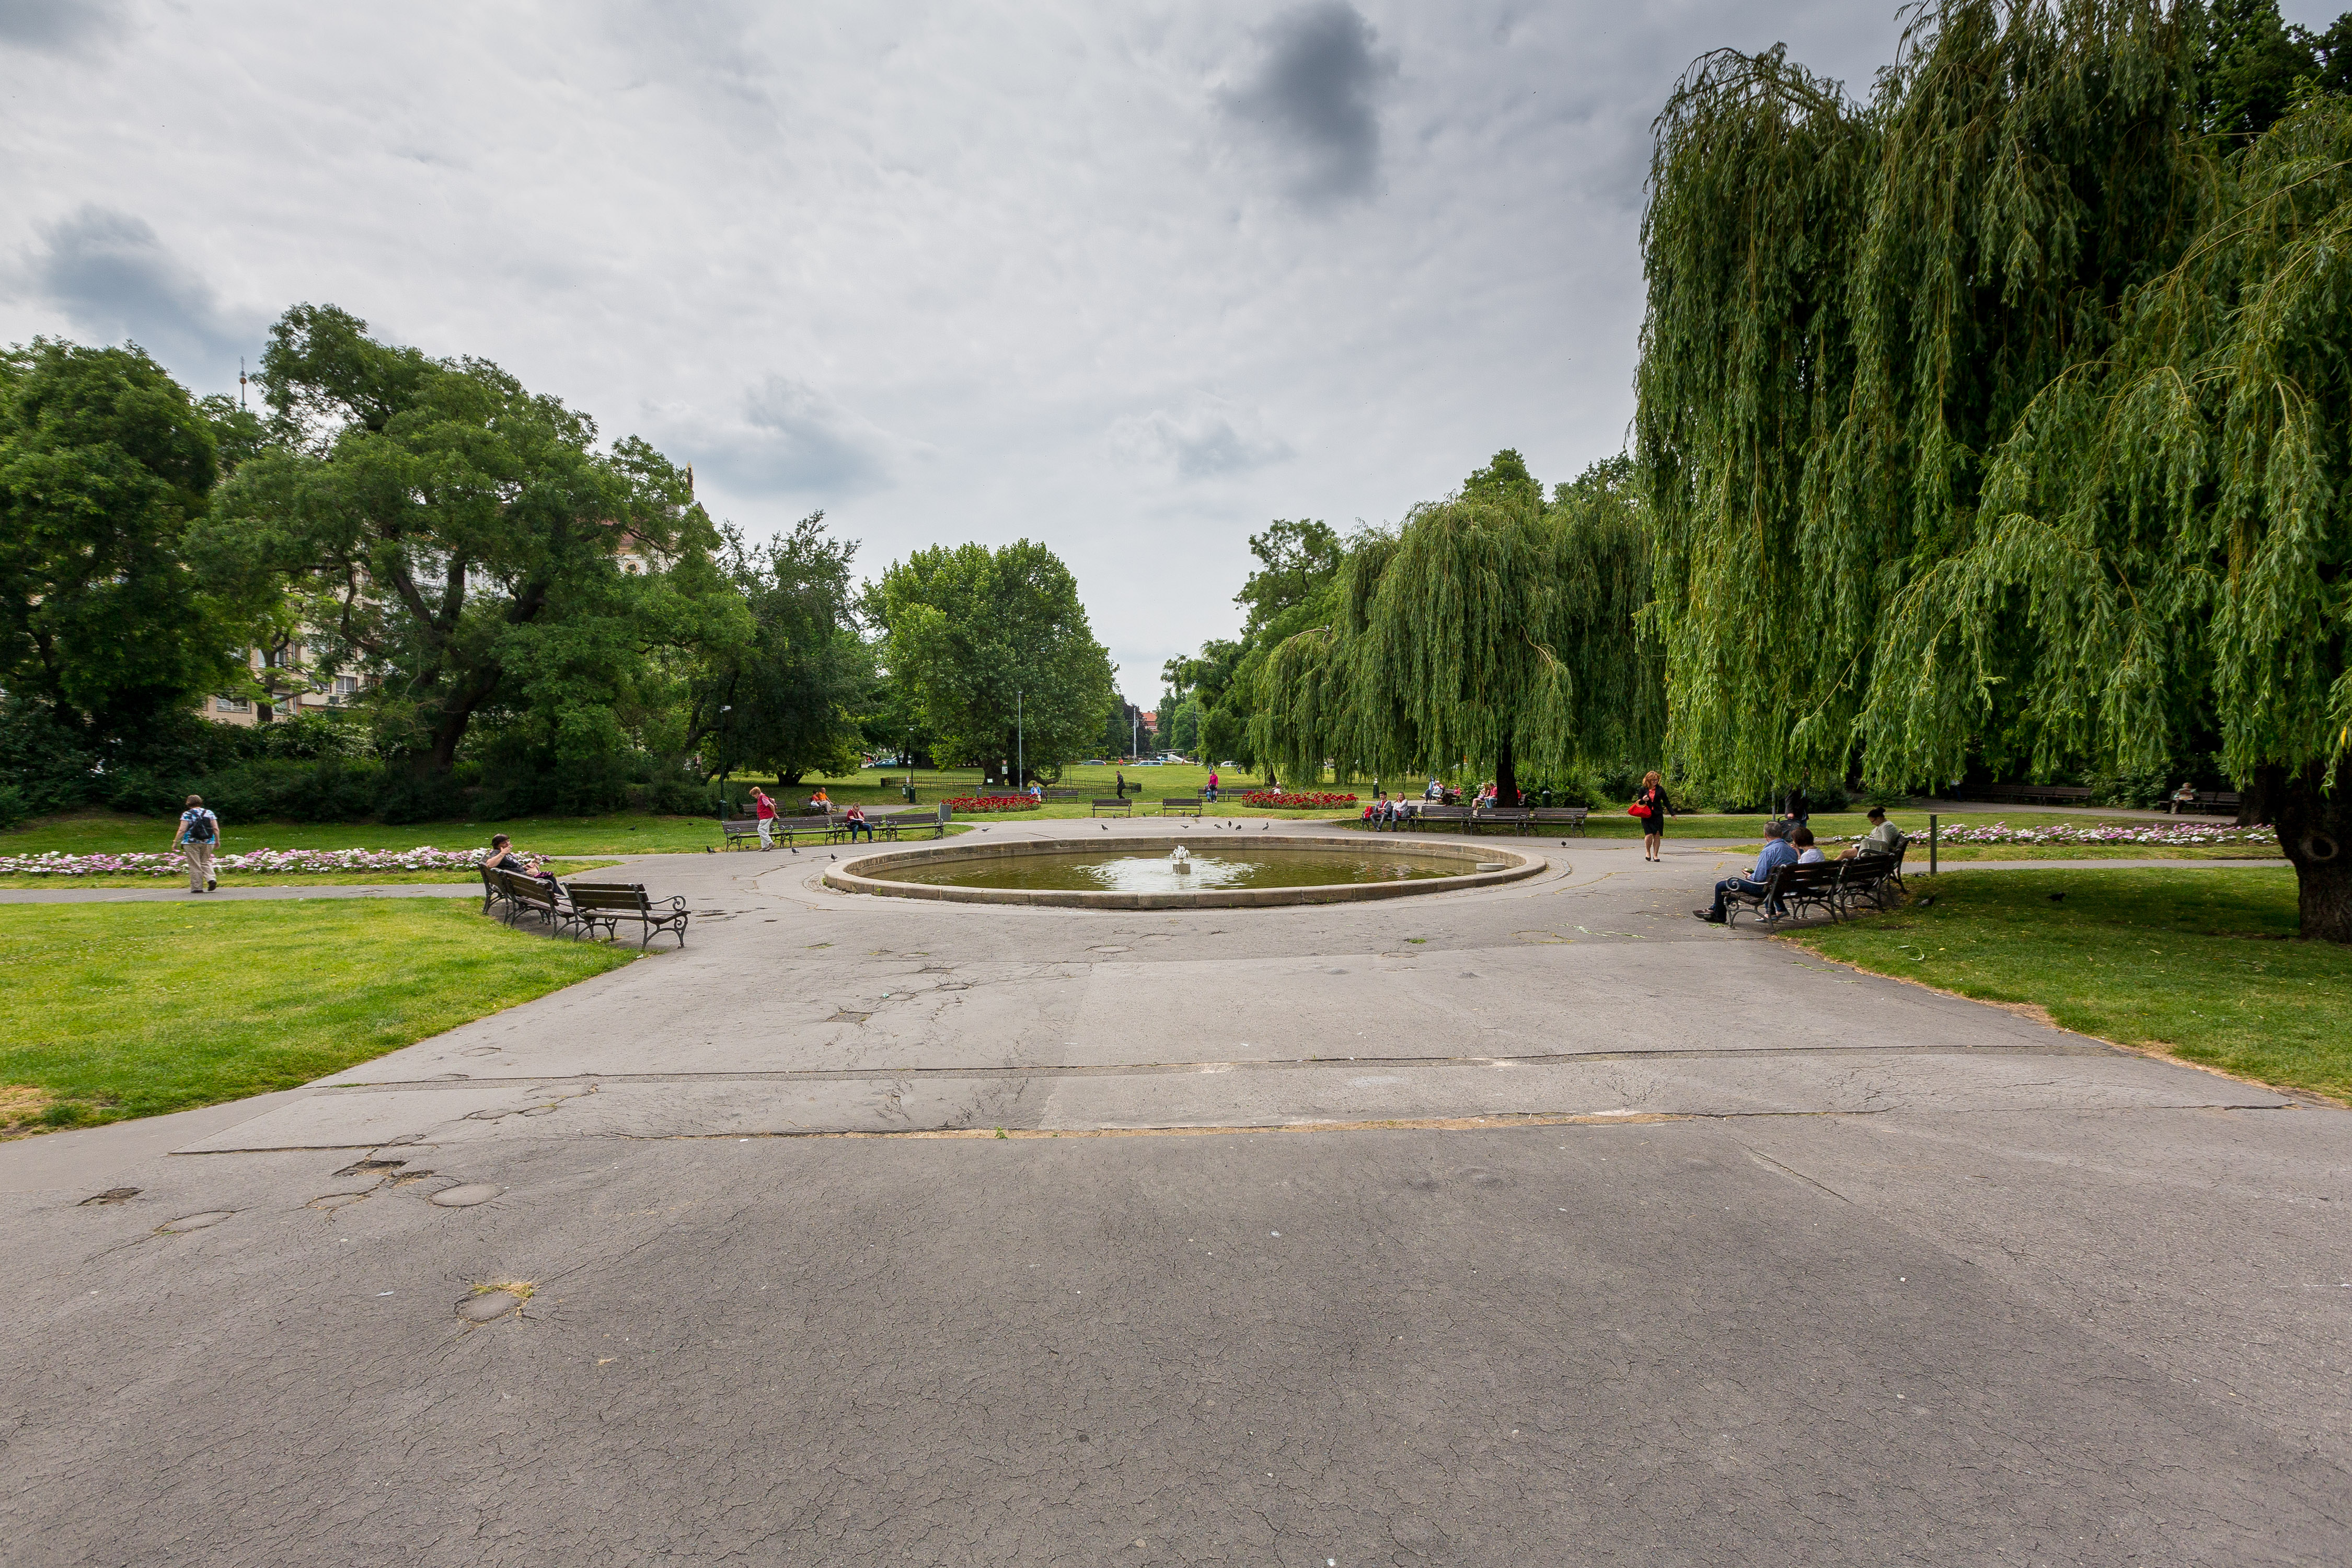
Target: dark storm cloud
112, 278
1315, 99
59, 25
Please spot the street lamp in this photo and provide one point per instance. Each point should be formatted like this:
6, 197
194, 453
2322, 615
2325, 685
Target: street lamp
1020, 746
724, 709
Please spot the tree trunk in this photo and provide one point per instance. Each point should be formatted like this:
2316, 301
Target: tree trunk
1507, 775
2314, 829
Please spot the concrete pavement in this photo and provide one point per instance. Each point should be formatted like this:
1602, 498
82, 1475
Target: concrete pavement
1680, 1246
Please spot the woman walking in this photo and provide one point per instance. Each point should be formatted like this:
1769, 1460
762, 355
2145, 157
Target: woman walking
1652, 794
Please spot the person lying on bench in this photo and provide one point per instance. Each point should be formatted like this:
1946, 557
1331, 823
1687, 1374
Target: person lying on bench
1883, 838
1776, 854
504, 856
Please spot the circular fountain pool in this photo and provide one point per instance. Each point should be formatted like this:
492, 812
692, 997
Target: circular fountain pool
1211, 871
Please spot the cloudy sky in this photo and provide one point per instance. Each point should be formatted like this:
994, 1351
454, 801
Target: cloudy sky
1127, 278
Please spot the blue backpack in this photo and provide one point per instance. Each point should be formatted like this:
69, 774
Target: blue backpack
202, 827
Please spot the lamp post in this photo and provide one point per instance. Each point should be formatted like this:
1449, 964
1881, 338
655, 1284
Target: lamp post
724, 709
1020, 746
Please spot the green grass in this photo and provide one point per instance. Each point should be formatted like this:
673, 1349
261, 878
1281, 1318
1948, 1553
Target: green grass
109, 1011
2204, 964
103, 832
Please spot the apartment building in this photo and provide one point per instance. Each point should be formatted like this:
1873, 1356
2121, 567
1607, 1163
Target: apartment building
295, 685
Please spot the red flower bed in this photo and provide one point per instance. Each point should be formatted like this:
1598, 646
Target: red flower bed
968, 804
1295, 799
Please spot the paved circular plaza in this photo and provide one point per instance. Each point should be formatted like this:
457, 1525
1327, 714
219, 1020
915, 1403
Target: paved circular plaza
1530, 1222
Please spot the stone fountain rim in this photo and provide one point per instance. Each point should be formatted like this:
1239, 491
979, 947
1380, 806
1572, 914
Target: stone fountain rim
857, 876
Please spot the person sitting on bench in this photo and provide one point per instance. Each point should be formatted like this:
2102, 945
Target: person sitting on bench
1776, 854
855, 820
1883, 838
504, 856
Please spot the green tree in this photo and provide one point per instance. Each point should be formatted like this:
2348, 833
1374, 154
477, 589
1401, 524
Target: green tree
1489, 628
2013, 431
993, 649
1294, 587
470, 543
104, 621
801, 686
2253, 66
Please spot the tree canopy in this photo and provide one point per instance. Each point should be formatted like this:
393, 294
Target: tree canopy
992, 652
105, 622
1490, 628
799, 688
2001, 416
469, 540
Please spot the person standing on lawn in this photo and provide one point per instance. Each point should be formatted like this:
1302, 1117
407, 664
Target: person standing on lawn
1122, 784
198, 837
767, 809
1212, 785
1653, 793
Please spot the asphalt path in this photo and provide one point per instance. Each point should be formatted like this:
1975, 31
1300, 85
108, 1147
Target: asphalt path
1534, 1224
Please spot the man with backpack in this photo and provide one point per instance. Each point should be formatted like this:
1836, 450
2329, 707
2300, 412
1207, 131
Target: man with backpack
198, 837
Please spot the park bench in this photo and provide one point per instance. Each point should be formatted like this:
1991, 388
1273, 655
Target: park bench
607, 904
1181, 805
2209, 802
2037, 794
524, 894
1562, 817
823, 826
1819, 886
1875, 878
892, 824
1517, 819
1434, 815
1122, 806
494, 891
1054, 794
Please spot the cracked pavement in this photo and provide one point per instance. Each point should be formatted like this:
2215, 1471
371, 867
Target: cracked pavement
1530, 1224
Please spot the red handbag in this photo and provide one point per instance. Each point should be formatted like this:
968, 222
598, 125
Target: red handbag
1637, 809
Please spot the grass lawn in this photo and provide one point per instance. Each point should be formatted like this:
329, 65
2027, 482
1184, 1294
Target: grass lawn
103, 832
2201, 964
117, 1010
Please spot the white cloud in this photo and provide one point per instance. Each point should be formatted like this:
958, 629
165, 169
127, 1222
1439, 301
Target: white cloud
949, 270
1209, 440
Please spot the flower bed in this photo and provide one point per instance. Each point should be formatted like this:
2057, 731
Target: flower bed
1296, 799
973, 804
2165, 835
262, 862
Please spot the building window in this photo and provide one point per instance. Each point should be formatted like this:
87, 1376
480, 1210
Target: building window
346, 685
232, 705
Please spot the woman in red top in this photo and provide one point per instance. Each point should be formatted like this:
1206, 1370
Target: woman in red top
767, 809
1653, 793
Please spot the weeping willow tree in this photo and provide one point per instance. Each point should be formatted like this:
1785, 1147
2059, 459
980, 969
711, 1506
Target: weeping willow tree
2005, 415
1490, 628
